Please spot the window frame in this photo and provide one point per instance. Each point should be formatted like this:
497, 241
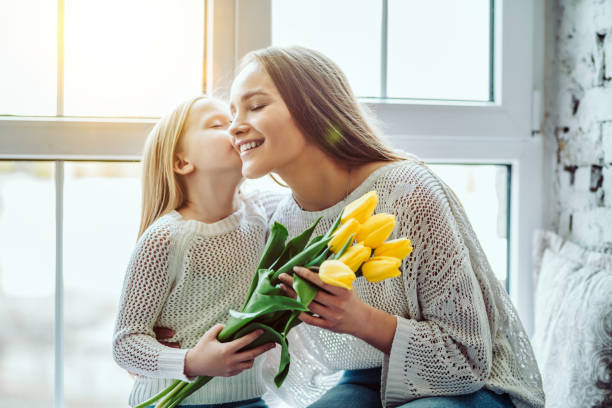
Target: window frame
503, 131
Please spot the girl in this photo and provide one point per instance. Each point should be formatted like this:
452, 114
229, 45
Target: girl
445, 334
199, 244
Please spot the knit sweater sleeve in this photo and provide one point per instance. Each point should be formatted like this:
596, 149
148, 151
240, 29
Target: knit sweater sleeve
145, 290
445, 347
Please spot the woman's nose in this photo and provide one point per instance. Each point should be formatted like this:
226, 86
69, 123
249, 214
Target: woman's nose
237, 128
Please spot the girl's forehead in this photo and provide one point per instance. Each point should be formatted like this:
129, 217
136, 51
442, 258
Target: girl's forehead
209, 106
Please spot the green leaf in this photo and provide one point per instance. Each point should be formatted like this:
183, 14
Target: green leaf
283, 368
335, 225
274, 247
305, 290
303, 258
348, 243
295, 246
319, 260
266, 299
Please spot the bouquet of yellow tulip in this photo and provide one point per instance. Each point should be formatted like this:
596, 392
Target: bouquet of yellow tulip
351, 239
360, 233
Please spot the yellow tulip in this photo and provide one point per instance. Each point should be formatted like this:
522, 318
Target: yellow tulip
342, 234
379, 268
356, 255
398, 248
376, 230
336, 273
361, 209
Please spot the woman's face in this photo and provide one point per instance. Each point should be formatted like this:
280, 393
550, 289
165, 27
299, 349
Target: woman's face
263, 130
206, 141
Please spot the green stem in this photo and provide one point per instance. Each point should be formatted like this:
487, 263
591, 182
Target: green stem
186, 391
177, 388
158, 395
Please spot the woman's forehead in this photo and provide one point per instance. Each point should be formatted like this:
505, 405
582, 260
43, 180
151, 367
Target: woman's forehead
252, 76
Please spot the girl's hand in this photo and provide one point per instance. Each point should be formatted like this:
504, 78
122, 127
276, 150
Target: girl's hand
162, 333
339, 310
210, 357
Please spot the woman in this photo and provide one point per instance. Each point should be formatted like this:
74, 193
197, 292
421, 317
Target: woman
444, 334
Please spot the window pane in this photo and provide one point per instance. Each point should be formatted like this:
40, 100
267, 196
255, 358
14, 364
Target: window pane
439, 49
27, 283
483, 192
132, 58
347, 31
28, 67
101, 218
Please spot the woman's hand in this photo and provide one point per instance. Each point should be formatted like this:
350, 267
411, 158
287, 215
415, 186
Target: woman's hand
210, 357
339, 310
342, 311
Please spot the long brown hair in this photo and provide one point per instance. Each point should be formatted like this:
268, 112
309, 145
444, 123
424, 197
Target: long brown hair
162, 190
322, 104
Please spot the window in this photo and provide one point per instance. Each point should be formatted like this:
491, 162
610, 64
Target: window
76, 105
397, 48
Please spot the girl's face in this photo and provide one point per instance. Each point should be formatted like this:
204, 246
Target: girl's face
206, 144
263, 130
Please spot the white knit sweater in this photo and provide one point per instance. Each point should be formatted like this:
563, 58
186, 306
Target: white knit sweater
457, 328
186, 275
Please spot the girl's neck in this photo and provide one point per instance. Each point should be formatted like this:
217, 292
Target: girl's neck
209, 199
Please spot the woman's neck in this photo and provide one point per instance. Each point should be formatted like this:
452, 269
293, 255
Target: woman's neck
209, 199
318, 182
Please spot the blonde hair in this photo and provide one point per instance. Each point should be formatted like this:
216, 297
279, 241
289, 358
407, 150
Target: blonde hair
162, 190
322, 104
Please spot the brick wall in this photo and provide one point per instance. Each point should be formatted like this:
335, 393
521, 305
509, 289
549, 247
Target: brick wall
578, 119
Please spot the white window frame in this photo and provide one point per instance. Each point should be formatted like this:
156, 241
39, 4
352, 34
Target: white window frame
504, 131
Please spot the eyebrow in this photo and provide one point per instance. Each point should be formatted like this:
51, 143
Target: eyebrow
252, 93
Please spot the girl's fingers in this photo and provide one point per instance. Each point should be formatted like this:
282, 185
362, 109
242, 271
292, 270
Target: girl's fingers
163, 332
244, 341
245, 365
252, 353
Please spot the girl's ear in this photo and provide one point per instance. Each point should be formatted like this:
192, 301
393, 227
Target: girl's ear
182, 165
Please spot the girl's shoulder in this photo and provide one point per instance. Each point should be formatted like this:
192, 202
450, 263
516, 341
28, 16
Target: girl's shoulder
162, 229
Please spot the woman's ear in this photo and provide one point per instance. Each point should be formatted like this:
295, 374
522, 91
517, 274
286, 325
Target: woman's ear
182, 165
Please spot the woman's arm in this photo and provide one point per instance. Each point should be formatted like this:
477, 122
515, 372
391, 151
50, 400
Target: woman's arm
446, 346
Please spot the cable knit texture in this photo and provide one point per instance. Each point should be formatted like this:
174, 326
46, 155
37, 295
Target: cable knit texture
186, 275
457, 328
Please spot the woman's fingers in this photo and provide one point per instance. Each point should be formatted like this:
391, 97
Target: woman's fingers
288, 291
244, 341
314, 278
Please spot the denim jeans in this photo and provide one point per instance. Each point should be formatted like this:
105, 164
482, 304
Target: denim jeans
361, 389
250, 403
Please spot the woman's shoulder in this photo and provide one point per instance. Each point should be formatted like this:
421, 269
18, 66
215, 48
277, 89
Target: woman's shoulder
266, 199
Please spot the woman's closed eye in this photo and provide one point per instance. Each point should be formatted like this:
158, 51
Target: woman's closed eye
255, 108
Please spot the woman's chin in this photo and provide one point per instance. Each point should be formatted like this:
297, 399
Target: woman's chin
253, 172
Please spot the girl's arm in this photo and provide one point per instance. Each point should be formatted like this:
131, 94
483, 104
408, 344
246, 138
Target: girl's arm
145, 290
